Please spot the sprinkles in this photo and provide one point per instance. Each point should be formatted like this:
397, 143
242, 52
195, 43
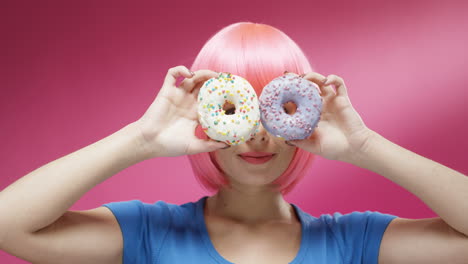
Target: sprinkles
224, 91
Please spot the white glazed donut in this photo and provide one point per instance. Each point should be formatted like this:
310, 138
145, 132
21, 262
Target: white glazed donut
218, 122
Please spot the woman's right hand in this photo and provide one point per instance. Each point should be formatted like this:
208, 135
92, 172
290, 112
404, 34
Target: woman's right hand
168, 126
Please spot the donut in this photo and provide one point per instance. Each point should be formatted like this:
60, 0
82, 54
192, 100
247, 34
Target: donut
304, 94
228, 109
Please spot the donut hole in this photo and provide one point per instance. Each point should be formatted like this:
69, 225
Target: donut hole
229, 108
290, 108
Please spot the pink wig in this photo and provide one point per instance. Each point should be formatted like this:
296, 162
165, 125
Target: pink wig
259, 53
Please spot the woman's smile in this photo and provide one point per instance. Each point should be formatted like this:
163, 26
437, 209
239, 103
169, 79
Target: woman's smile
257, 157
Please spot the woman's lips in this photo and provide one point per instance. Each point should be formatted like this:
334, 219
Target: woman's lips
256, 157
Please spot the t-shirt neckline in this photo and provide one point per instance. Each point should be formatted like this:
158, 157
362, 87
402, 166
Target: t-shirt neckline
200, 220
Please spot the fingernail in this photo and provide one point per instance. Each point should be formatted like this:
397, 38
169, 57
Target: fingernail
192, 73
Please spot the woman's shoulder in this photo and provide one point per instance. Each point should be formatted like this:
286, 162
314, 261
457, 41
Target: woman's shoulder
158, 209
349, 231
348, 220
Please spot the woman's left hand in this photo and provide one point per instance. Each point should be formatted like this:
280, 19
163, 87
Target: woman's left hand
341, 134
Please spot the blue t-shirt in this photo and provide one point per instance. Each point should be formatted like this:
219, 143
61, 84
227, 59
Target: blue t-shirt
166, 233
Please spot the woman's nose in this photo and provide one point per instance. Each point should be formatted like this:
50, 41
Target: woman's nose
261, 135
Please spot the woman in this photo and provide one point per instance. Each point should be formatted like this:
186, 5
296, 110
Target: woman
247, 220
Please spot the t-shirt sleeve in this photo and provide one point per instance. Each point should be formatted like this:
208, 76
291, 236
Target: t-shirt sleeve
360, 234
142, 225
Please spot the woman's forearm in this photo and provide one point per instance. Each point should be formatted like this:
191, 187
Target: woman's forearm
443, 189
39, 198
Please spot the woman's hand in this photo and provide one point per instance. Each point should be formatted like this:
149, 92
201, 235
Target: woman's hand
341, 134
168, 126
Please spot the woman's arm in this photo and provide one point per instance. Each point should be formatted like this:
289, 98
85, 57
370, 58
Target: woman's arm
35, 224
39, 198
342, 135
443, 189
42, 196
441, 239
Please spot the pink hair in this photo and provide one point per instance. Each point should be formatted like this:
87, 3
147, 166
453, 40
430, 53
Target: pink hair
258, 53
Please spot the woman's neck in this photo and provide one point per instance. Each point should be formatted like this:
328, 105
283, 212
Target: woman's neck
250, 207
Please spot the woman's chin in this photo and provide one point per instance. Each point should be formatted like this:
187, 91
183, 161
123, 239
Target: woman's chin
253, 179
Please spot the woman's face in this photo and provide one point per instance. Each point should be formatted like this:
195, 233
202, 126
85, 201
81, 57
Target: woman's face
251, 171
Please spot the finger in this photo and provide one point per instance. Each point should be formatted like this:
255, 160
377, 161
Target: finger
317, 79
174, 73
291, 73
201, 76
339, 84
328, 91
310, 144
205, 145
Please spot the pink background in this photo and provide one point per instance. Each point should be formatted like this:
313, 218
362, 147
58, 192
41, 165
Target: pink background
73, 73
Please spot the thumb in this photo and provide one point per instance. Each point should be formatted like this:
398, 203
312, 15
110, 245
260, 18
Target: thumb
309, 144
205, 145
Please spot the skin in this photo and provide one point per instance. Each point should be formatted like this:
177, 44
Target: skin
252, 183
58, 235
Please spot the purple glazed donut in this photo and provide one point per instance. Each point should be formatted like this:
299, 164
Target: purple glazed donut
304, 94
